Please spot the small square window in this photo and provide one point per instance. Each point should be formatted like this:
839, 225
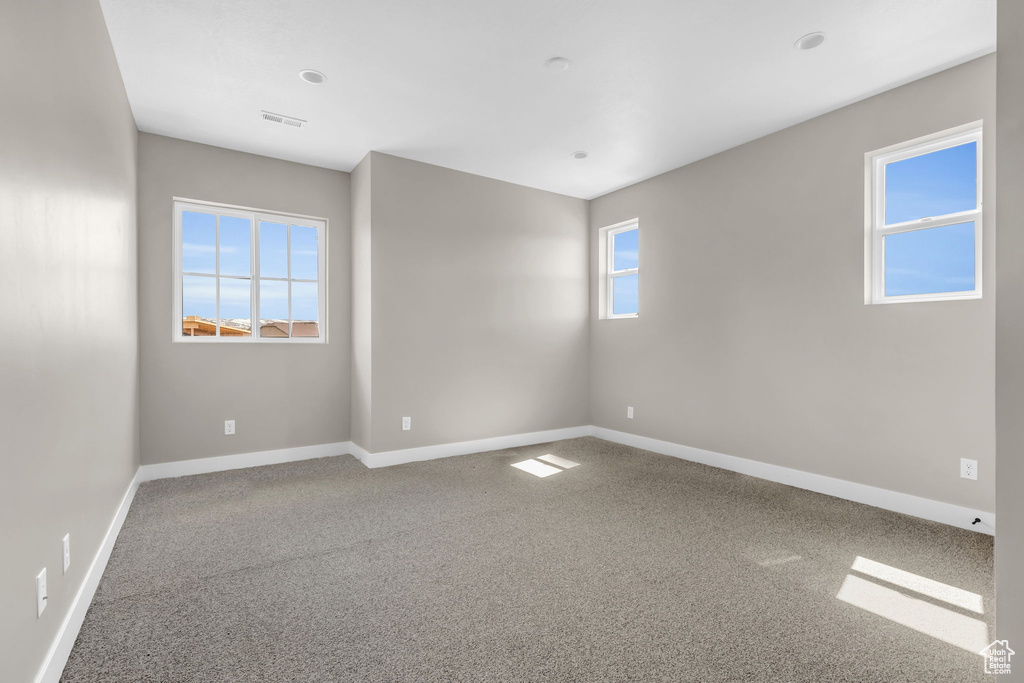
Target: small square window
925, 230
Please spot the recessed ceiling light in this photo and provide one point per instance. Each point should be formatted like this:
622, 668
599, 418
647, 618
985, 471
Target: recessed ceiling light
579, 155
311, 76
810, 41
556, 64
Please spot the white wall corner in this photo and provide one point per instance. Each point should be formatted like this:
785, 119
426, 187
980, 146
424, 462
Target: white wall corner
359, 453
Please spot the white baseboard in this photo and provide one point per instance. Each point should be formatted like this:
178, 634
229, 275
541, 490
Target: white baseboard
447, 450
60, 650
220, 463
926, 508
946, 513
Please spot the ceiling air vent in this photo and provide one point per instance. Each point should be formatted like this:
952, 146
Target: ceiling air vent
281, 118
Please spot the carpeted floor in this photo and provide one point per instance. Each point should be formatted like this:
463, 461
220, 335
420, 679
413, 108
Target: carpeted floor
631, 567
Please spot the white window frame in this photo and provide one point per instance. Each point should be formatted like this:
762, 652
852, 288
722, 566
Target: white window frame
254, 216
876, 229
608, 272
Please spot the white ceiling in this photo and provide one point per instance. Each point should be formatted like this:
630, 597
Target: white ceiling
654, 84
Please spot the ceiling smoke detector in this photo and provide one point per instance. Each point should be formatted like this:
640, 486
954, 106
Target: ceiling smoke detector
312, 76
810, 41
579, 155
281, 118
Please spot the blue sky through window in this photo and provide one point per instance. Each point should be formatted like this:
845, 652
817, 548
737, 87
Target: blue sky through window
932, 184
273, 250
235, 247
626, 294
625, 289
235, 295
273, 300
274, 263
626, 250
199, 296
304, 254
198, 242
931, 260
304, 301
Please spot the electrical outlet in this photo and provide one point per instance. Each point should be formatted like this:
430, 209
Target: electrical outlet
40, 592
66, 545
406, 424
968, 469
229, 427
629, 412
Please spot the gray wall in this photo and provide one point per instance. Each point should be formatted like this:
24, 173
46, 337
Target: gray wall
68, 409
362, 356
1010, 334
280, 395
753, 337
479, 306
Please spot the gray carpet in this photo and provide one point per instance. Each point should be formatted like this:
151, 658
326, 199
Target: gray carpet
631, 567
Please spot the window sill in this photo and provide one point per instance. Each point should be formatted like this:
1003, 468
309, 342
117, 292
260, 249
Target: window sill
923, 299
250, 340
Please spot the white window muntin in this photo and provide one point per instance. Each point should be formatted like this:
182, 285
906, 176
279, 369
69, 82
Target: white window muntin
254, 216
878, 229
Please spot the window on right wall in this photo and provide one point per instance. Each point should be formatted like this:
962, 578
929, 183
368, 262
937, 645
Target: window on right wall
620, 255
924, 228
